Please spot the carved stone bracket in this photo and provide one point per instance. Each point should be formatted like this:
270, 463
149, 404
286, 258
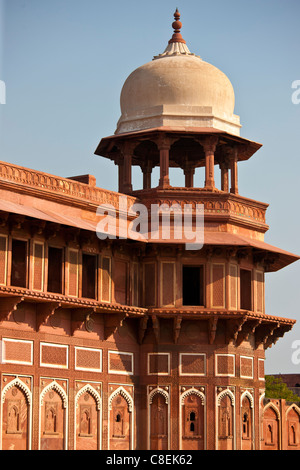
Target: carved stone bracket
113, 321
3, 219
233, 328
212, 329
8, 305
143, 322
242, 253
51, 230
264, 332
231, 253
45, 311
82, 317
16, 221
37, 227
276, 334
72, 236
156, 328
248, 328
176, 328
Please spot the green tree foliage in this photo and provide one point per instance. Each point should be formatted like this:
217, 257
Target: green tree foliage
276, 388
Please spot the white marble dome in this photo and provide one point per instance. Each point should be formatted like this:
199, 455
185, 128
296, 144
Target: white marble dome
177, 89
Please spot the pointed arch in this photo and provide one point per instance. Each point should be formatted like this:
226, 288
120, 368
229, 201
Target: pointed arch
121, 391
182, 404
247, 394
19, 384
164, 418
294, 407
58, 388
192, 391
89, 389
261, 399
274, 408
223, 394
160, 391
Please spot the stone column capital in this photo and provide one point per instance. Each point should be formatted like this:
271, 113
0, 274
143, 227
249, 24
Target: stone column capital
210, 143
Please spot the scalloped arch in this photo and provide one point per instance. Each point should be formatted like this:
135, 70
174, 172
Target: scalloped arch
18, 383
54, 386
192, 391
162, 392
247, 394
121, 391
271, 405
223, 394
89, 389
294, 407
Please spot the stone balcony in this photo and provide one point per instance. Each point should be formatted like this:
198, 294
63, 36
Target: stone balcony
221, 209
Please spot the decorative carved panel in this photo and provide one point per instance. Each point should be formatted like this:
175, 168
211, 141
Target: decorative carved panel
225, 424
15, 420
159, 425
52, 421
192, 423
120, 424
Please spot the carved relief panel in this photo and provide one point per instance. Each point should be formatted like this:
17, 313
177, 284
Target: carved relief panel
293, 421
16, 397
159, 421
225, 423
119, 424
270, 429
52, 417
88, 416
246, 424
192, 423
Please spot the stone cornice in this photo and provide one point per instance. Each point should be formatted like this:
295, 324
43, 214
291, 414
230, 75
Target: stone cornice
19, 294
196, 312
65, 301
239, 323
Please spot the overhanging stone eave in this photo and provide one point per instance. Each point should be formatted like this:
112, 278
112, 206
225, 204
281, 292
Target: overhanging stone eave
107, 144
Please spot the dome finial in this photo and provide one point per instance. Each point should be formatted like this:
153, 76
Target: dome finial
177, 25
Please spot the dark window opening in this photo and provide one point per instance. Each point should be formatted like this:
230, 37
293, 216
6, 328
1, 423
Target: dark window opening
192, 285
245, 425
89, 276
192, 416
192, 427
19, 263
118, 418
55, 268
245, 289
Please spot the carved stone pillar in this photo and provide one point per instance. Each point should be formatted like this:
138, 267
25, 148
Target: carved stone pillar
164, 149
209, 146
224, 176
234, 172
147, 170
127, 151
120, 163
189, 172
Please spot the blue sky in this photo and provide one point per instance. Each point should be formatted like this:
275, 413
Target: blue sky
64, 63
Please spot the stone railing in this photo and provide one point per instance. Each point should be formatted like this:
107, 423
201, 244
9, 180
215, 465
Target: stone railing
58, 185
215, 203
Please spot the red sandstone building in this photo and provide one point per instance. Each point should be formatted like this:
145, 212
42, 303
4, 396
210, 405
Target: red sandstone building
140, 343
